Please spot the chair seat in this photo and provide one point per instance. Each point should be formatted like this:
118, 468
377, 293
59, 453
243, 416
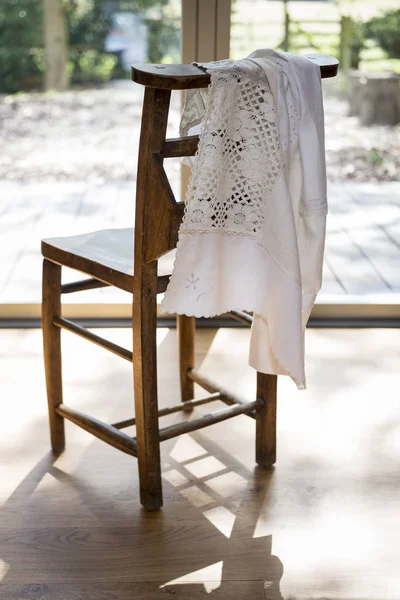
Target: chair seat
106, 255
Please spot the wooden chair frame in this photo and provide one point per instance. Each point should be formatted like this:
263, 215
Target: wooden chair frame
158, 217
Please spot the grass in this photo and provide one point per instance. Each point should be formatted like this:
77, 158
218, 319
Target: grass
315, 27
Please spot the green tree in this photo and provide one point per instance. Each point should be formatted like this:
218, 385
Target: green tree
21, 31
56, 45
22, 39
385, 30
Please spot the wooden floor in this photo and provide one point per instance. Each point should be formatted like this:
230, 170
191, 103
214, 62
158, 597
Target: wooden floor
362, 249
324, 524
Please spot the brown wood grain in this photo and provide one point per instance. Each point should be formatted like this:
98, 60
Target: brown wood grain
131, 554
186, 327
51, 308
79, 286
166, 213
86, 265
322, 524
101, 272
169, 77
84, 333
237, 590
104, 432
184, 146
157, 220
152, 223
182, 77
172, 431
169, 410
266, 420
212, 386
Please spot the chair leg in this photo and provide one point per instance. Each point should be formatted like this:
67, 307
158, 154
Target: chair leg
51, 308
266, 420
186, 338
145, 387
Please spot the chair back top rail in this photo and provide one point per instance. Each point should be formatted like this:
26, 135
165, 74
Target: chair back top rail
184, 77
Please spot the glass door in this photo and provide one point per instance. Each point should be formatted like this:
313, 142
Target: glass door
68, 158
362, 258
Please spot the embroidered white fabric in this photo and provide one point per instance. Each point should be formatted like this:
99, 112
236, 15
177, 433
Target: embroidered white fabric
238, 161
250, 238
234, 140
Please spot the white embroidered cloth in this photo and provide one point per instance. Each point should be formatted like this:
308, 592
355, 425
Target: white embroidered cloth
252, 237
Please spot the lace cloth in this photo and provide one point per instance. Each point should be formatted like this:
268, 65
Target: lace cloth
251, 234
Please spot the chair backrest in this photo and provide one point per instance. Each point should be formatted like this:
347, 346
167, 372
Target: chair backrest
158, 214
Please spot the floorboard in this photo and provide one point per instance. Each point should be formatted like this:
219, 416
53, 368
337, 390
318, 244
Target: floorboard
324, 523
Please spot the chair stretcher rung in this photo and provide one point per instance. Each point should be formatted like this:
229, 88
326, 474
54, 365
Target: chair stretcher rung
92, 337
241, 316
184, 146
84, 284
101, 430
227, 413
172, 409
211, 386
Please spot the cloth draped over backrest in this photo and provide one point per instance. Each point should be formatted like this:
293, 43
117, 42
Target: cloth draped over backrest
252, 237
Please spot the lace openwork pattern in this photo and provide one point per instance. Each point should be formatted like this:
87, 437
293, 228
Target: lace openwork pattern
239, 156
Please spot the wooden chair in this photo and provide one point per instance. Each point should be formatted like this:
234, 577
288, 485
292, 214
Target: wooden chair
107, 257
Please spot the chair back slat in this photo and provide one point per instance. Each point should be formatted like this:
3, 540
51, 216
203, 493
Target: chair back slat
165, 214
178, 147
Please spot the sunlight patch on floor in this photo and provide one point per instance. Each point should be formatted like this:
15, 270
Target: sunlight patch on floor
186, 448
210, 577
196, 496
229, 484
222, 519
175, 478
4, 567
205, 466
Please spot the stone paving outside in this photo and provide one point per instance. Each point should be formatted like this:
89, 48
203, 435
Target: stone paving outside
67, 165
362, 250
